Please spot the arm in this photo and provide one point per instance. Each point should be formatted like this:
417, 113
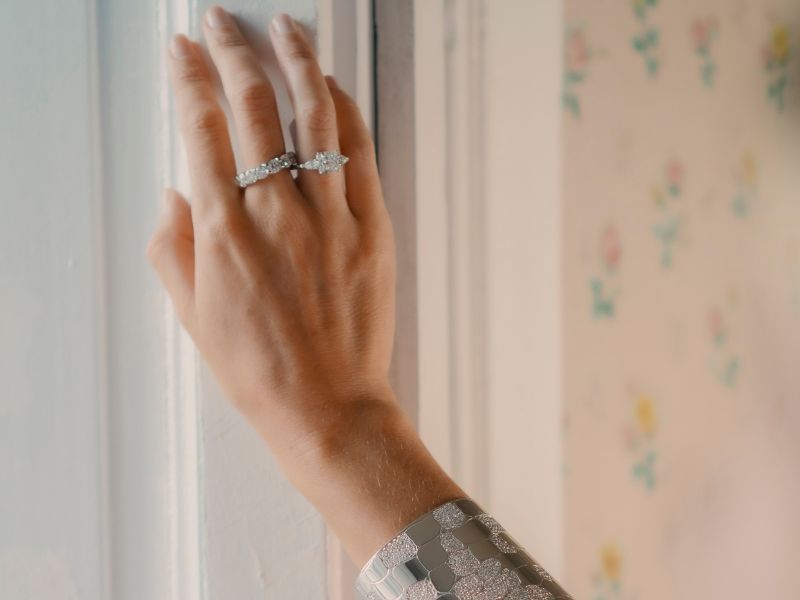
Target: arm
287, 286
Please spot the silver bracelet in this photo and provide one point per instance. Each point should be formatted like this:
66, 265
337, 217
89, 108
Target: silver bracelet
455, 552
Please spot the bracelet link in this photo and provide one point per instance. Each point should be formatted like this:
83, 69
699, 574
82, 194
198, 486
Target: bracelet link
455, 552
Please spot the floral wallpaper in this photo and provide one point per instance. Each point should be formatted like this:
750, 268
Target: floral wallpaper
682, 290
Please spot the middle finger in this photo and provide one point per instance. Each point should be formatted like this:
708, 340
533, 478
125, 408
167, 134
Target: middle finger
249, 92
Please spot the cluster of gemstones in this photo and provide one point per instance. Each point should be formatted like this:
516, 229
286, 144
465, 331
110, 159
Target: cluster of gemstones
272, 166
455, 552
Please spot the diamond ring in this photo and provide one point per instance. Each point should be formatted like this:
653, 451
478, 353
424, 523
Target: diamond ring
324, 162
264, 170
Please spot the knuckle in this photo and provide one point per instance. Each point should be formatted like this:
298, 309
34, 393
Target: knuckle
318, 117
206, 120
290, 228
220, 226
191, 72
255, 96
363, 150
347, 102
229, 37
299, 50
158, 244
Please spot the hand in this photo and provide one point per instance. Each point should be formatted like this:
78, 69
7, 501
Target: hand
286, 287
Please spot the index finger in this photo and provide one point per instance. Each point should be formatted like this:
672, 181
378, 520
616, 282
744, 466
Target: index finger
203, 127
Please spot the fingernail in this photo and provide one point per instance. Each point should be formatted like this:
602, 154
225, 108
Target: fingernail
216, 16
180, 47
283, 24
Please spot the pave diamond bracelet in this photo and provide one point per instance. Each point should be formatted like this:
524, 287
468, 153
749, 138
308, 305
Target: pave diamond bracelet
455, 552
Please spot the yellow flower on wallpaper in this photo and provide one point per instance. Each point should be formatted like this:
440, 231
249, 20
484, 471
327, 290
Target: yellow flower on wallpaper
646, 415
749, 169
658, 196
611, 559
780, 43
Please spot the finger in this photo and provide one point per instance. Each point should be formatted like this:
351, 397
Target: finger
171, 252
203, 127
249, 92
363, 185
314, 112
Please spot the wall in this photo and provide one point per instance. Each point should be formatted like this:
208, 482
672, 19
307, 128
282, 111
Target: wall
52, 506
682, 315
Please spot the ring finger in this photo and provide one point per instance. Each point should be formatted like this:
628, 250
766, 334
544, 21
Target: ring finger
315, 113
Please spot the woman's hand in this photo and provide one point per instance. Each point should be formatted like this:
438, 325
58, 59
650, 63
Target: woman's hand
286, 287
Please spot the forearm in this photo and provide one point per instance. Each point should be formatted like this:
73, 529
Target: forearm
368, 473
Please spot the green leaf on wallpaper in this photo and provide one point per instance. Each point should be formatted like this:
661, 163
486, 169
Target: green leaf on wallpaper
602, 306
652, 66
709, 70
572, 104
644, 470
652, 36
575, 77
730, 372
639, 43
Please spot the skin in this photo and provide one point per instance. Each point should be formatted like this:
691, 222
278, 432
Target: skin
287, 287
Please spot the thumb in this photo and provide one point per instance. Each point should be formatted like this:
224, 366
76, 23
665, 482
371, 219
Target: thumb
171, 252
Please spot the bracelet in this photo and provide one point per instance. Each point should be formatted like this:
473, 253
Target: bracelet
455, 552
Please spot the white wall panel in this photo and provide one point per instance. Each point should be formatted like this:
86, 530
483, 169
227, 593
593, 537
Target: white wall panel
488, 83
51, 349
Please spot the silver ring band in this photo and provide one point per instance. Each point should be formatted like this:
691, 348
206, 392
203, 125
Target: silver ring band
264, 170
324, 162
455, 552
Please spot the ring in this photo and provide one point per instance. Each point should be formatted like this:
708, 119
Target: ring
264, 170
324, 162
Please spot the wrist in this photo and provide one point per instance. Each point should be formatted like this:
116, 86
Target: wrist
368, 472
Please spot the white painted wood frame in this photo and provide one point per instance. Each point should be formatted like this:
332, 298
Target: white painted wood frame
487, 181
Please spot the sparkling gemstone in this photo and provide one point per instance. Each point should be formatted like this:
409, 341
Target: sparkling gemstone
503, 544
536, 592
327, 162
463, 562
449, 516
421, 590
490, 522
542, 573
468, 588
495, 588
397, 551
450, 542
489, 568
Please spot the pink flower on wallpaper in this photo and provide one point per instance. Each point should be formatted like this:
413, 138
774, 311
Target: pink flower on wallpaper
716, 324
675, 176
577, 56
577, 51
611, 249
603, 286
703, 32
725, 362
